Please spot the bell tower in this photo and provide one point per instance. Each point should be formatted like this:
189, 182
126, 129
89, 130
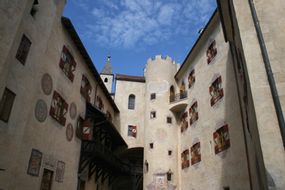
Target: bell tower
107, 75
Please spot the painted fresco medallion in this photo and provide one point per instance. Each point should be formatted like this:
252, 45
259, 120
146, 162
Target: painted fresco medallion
69, 132
72, 110
161, 135
41, 110
47, 84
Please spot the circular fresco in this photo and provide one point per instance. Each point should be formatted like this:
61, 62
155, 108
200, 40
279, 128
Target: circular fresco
69, 132
72, 110
47, 84
41, 110
161, 135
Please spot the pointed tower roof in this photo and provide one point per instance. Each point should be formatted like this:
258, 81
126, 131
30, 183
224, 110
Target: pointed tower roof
108, 67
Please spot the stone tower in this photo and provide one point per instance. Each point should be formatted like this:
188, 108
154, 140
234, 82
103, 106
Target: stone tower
107, 75
160, 136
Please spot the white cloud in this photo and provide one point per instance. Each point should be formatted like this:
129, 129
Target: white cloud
131, 23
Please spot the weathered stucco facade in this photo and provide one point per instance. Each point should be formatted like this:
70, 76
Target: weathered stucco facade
215, 122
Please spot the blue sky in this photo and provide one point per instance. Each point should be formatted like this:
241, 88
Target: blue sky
131, 31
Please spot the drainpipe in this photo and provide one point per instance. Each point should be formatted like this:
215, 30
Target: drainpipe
269, 73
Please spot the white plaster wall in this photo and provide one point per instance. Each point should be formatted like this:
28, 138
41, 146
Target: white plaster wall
272, 23
23, 132
228, 168
109, 83
131, 117
159, 74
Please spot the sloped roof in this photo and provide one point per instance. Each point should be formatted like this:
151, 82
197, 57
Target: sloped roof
78, 43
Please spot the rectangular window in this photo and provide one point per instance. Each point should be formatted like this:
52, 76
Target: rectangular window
23, 49
85, 88
152, 96
191, 78
195, 153
152, 115
169, 120
221, 139
169, 152
67, 63
6, 104
151, 145
226, 188
132, 131
193, 113
185, 159
216, 91
58, 108
184, 122
211, 52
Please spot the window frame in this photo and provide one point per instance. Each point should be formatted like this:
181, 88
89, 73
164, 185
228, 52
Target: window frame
67, 63
6, 103
132, 131
85, 90
23, 49
152, 114
152, 96
58, 113
131, 102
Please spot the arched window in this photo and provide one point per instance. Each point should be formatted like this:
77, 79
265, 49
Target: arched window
171, 94
131, 103
106, 80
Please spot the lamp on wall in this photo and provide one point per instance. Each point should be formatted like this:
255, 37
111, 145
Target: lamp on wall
169, 174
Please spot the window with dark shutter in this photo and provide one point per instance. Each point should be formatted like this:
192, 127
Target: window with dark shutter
58, 108
6, 104
23, 49
67, 63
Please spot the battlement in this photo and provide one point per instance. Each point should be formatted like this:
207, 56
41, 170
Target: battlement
160, 57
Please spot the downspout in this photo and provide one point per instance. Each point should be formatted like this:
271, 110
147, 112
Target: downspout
269, 73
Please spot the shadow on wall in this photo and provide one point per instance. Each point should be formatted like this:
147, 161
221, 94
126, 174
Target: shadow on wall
235, 173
